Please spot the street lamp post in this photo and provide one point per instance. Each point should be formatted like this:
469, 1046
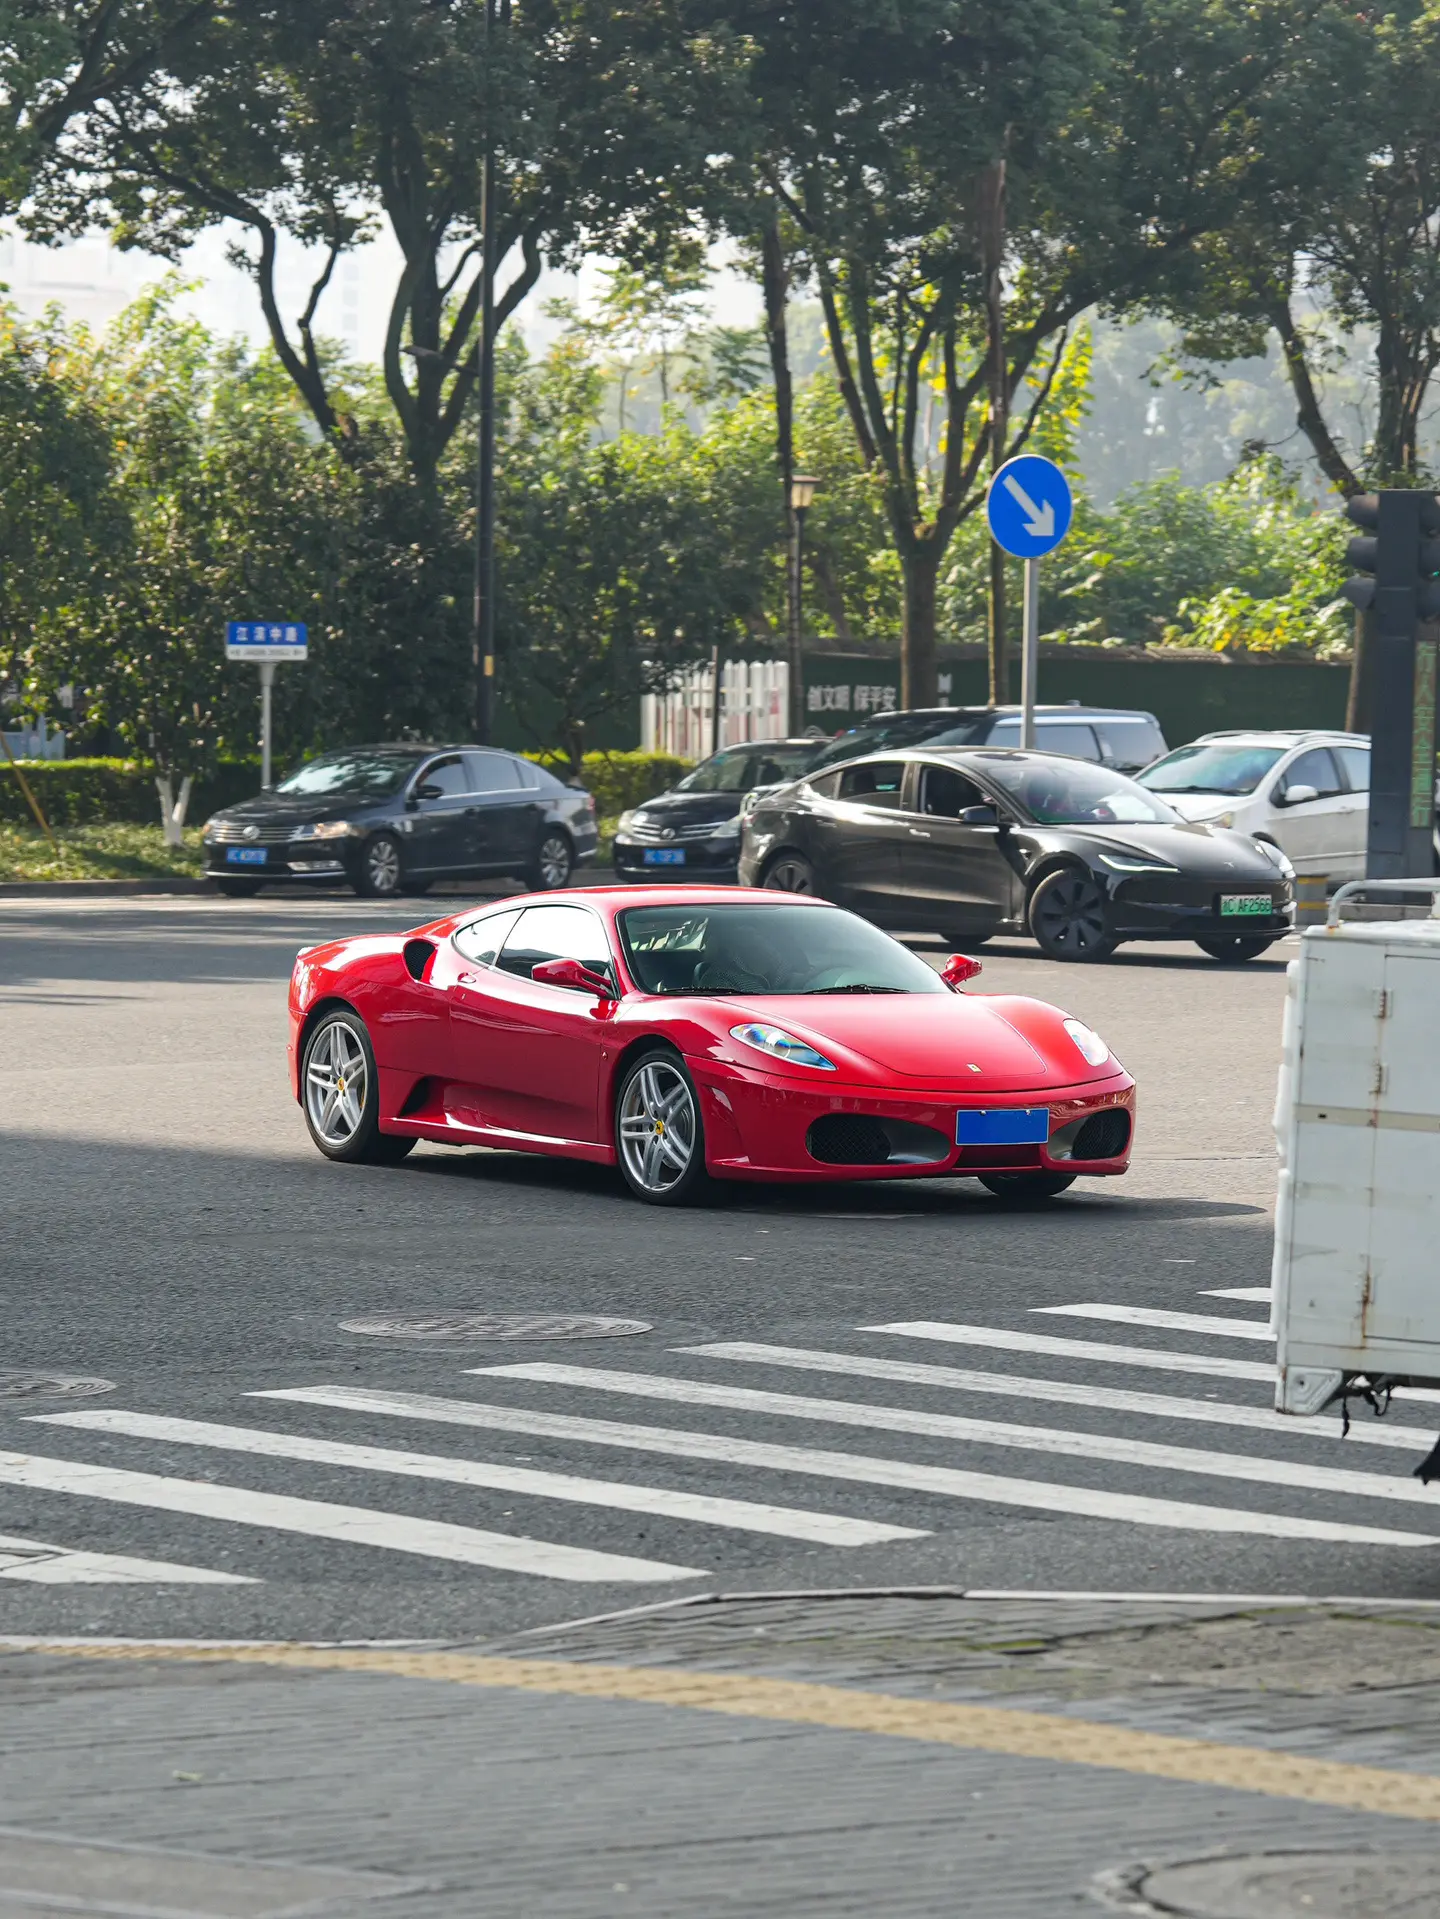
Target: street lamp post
802, 492
483, 618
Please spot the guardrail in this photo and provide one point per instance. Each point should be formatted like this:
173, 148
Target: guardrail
1352, 887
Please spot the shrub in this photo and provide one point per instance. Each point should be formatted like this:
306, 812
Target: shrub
93, 792
619, 780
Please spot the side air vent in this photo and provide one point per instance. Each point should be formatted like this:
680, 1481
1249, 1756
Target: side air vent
1102, 1136
858, 1139
418, 954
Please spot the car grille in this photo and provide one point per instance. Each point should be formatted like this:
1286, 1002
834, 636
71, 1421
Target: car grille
647, 833
858, 1139
239, 833
1103, 1136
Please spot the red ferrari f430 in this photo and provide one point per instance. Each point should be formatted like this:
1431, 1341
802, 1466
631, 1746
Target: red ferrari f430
693, 1036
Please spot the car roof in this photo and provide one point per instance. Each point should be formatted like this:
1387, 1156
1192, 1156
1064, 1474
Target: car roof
1280, 736
966, 754
612, 899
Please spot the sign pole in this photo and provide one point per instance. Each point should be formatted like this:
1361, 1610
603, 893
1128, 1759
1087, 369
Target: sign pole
267, 682
1030, 657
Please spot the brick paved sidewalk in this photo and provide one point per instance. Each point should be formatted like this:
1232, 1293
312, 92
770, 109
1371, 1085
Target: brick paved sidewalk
1000, 1759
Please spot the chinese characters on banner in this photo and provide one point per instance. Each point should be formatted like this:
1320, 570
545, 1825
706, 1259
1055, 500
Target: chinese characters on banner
850, 699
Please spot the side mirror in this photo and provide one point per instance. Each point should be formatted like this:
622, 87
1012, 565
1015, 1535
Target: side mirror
571, 973
1298, 795
428, 790
979, 816
957, 969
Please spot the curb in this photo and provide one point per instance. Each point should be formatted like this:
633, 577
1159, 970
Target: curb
95, 889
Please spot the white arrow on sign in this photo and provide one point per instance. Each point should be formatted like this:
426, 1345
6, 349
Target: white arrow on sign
1041, 522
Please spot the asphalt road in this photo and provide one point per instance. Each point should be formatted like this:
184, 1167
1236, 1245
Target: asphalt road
166, 1226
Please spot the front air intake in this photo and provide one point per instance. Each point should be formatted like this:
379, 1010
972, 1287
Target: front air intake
1103, 1136
859, 1139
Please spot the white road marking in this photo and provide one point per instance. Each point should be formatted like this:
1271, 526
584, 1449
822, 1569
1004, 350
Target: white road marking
42, 1564
1002, 1340
1117, 1450
989, 1488
1261, 1293
1213, 1325
1065, 1392
823, 1529
350, 1525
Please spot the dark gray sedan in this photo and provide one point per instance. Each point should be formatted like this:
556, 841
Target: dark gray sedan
394, 819
969, 843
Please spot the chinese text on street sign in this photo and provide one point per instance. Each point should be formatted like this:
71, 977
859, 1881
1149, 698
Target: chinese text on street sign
266, 640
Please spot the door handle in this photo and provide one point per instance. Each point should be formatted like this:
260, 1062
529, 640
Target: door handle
919, 833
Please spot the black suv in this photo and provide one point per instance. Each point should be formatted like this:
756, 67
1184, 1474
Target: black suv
1113, 736
393, 819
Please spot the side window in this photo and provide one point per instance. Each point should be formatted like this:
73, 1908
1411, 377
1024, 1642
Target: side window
1067, 736
873, 783
556, 932
527, 774
482, 939
947, 793
492, 773
827, 785
449, 776
1130, 743
1316, 768
1355, 760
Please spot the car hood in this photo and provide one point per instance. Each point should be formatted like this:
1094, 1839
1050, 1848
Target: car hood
297, 807
1200, 851
690, 809
1206, 806
959, 1042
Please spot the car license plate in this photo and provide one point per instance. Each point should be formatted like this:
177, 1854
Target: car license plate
1003, 1126
664, 855
245, 856
1241, 905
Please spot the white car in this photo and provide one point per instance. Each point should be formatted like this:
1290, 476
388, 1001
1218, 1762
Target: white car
1306, 792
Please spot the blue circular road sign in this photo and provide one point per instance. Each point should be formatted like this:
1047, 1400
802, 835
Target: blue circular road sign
1029, 506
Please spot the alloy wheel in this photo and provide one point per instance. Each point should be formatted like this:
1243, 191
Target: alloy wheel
336, 1080
1068, 917
791, 874
552, 863
382, 866
657, 1126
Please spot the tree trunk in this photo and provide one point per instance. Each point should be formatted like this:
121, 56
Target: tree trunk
173, 810
1357, 702
919, 676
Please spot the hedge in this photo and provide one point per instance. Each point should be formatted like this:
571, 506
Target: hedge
94, 792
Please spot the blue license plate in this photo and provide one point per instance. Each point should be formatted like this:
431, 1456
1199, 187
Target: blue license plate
1003, 1126
245, 856
664, 855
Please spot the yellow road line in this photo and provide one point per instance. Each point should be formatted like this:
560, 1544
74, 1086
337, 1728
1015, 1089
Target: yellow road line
999, 1729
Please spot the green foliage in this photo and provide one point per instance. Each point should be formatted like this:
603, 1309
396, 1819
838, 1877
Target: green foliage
619, 780
87, 792
109, 851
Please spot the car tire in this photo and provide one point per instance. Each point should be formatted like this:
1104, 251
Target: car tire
343, 1125
1069, 917
964, 942
381, 868
788, 872
1235, 947
238, 889
656, 1090
1026, 1189
553, 863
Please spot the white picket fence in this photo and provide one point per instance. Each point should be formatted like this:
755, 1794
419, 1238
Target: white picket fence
754, 705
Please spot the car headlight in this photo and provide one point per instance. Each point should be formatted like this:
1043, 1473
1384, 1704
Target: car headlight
1090, 1043
1276, 858
779, 1044
1119, 864
324, 830
626, 821
208, 827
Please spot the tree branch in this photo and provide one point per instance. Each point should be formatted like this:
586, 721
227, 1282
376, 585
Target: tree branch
1309, 417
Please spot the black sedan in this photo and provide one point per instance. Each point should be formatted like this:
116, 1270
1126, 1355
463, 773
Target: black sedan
969, 843
693, 831
393, 819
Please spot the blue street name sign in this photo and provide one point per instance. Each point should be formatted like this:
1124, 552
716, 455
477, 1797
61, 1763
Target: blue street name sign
266, 640
1029, 506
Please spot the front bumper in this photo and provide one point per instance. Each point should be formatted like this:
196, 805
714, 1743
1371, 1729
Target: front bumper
289, 860
705, 860
1157, 907
758, 1125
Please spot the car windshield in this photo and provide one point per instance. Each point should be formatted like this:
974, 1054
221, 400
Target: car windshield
738, 768
1218, 768
766, 949
1056, 792
371, 774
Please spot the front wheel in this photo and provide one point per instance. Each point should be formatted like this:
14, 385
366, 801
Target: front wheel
789, 873
380, 868
341, 1093
553, 862
1235, 948
659, 1135
1023, 1189
1070, 917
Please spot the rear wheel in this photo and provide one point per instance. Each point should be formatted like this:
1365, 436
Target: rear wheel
1025, 1188
789, 873
341, 1093
380, 877
238, 889
553, 862
659, 1135
1069, 917
1235, 948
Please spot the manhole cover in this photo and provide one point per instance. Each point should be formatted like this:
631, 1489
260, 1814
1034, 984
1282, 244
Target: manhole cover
1299, 1885
51, 1385
493, 1326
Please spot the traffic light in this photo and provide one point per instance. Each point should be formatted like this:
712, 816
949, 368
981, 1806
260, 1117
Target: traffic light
1398, 588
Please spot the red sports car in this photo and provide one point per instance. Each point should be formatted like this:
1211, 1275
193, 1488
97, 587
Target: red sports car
696, 1035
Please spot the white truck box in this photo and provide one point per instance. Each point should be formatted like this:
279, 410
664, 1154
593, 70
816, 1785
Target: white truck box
1356, 1283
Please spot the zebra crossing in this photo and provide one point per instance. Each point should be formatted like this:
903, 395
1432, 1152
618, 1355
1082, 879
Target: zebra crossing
648, 1474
